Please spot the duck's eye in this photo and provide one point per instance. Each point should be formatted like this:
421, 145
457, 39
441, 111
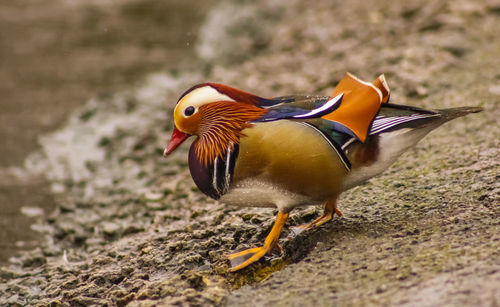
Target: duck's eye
189, 111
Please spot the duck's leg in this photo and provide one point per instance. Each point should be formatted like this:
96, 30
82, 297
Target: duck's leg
249, 256
330, 209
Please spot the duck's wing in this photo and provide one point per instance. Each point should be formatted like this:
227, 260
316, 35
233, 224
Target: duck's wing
360, 105
306, 102
350, 110
392, 117
301, 108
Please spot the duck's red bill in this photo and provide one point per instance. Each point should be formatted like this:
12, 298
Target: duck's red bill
177, 139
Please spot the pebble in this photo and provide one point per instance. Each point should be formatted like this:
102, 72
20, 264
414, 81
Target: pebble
32, 211
110, 228
495, 89
152, 196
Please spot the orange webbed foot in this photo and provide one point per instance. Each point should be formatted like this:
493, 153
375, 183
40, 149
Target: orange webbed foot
330, 209
251, 255
246, 257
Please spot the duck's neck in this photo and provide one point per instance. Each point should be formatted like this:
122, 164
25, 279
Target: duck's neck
221, 128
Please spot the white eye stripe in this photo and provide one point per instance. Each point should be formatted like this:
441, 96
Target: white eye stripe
201, 96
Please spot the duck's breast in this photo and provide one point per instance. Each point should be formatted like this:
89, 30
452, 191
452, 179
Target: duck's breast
287, 158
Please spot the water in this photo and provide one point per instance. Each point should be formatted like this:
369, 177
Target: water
72, 51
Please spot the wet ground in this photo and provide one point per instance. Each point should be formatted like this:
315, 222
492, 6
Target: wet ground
131, 229
54, 57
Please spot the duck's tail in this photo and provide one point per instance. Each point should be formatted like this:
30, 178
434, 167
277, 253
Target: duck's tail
449, 114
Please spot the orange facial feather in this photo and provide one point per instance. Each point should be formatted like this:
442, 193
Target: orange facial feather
222, 124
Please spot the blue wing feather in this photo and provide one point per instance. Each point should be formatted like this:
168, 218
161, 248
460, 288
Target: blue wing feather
291, 111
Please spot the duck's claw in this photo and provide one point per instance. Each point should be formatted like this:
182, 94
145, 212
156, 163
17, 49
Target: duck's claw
246, 257
330, 209
317, 222
249, 256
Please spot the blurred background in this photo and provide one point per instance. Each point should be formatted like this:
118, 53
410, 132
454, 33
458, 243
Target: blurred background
87, 90
55, 56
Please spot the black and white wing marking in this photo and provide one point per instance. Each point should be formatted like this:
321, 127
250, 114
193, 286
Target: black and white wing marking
394, 116
385, 123
291, 111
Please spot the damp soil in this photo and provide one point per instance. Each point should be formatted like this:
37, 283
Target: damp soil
54, 57
130, 229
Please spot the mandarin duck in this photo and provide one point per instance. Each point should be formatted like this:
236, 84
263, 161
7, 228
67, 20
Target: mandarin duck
294, 151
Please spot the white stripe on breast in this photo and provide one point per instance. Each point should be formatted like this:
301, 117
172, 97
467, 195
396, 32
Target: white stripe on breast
214, 177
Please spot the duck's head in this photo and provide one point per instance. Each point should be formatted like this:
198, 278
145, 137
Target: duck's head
216, 114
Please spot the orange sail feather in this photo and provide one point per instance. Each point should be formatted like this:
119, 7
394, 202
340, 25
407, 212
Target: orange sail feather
360, 104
